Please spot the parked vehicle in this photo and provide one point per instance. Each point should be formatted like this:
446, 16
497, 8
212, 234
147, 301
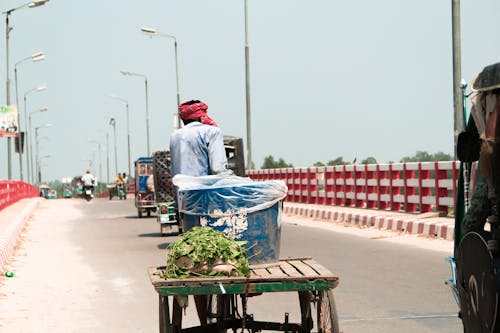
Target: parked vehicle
475, 262
44, 190
145, 200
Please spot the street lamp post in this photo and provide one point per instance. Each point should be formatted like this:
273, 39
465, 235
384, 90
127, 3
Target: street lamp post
31, 176
153, 32
99, 152
37, 149
247, 91
128, 128
147, 108
40, 168
112, 122
31, 4
35, 57
31, 171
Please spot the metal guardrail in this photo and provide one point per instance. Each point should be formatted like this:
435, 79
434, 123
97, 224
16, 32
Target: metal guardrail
409, 187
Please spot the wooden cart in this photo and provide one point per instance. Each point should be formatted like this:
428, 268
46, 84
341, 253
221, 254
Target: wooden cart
222, 302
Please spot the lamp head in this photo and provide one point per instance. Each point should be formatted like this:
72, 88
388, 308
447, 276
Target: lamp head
38, 56
149, 31
37, 3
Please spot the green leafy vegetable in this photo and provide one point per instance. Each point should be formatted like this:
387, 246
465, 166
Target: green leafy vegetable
205, 252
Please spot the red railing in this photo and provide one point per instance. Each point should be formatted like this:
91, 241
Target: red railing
12, 191
409, 187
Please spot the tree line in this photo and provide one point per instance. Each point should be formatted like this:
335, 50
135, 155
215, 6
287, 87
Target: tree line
420, 156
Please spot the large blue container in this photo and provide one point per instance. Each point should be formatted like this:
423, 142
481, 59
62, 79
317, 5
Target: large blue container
238, 207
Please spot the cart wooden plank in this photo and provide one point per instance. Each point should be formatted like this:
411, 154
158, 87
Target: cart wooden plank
317, 267
287, 275
289, 269
303, 268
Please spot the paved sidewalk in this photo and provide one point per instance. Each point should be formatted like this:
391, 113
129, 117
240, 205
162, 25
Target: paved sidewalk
427, 224
12, 222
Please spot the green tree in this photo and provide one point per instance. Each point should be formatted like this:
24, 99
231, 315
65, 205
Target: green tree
369, 160
271, 163
423, 156
319, 164
338, 161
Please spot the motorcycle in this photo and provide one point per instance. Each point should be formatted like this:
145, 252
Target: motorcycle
88, 192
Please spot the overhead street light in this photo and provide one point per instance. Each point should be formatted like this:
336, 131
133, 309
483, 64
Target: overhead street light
31, 4
29, 167
35, 57
127, 73
112, 122
99, 151
38, 149
152, 32
247, 91
128, 126
40, 168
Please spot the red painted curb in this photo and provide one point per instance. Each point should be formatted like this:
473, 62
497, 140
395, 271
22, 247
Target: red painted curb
408, 225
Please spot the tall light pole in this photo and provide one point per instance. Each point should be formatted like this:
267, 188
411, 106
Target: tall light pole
153, 32
31, 4
40, 168
30, 164
99, 152
147, 109
459, 124
37, 149
20, 140
128, 127
28, 134
247, 91
112, 122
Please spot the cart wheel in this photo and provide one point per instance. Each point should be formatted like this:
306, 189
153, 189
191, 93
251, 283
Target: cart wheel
328, 320
139, 212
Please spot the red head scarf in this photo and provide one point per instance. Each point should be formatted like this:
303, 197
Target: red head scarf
195, 109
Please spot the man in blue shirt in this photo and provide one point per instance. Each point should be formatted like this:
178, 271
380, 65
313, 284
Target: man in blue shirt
197, 149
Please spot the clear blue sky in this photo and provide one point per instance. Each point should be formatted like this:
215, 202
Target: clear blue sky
328, 78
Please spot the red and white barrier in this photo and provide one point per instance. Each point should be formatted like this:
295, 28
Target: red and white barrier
12, 191
408, 187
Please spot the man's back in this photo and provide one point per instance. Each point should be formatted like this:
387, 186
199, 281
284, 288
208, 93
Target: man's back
197, 150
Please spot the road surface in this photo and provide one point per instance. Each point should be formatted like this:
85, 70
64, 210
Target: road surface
81, 267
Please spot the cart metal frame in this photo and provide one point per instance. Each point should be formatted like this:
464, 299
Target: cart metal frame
313, 283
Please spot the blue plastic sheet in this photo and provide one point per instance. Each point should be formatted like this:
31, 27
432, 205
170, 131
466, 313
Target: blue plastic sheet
226, 195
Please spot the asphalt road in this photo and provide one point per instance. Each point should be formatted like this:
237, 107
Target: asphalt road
82, 267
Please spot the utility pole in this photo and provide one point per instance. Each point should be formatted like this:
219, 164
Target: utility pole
459, 124
247, 92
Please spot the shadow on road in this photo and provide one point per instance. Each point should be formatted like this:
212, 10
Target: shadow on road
163, 246
151, 234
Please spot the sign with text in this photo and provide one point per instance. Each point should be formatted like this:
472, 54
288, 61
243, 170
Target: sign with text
8, 121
